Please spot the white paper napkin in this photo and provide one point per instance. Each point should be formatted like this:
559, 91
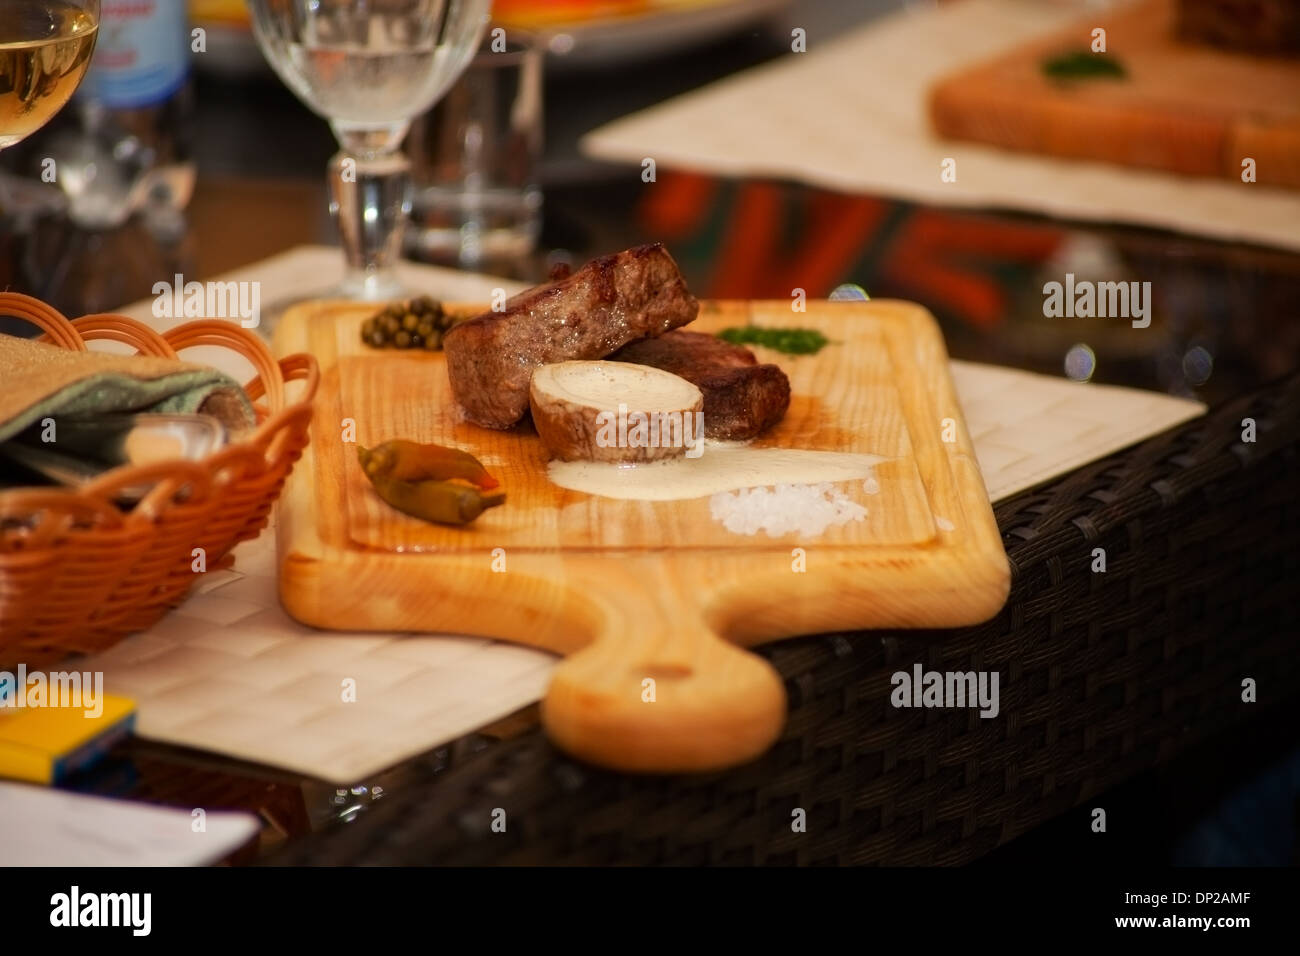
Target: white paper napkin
44, 827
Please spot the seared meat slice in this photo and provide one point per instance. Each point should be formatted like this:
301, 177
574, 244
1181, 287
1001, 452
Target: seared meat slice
597, 310
741, 397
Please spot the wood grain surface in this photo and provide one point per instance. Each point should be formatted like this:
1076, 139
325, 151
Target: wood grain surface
1183, 107
633, 591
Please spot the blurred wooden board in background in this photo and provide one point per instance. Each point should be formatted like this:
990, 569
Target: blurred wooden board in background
1181, 107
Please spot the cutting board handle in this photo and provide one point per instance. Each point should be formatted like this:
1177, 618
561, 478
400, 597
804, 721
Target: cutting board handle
657, 690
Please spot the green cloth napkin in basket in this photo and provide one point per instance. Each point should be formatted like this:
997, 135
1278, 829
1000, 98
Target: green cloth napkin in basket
39, 381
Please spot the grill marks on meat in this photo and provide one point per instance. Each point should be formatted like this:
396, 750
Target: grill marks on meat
611, 301
741, 397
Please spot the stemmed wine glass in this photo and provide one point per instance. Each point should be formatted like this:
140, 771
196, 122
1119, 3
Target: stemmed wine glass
45, 47
369, 67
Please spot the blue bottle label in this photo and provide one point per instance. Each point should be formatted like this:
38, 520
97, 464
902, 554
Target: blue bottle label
142, 55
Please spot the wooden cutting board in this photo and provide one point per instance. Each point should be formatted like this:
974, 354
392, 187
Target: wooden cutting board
650, 602
1183, 107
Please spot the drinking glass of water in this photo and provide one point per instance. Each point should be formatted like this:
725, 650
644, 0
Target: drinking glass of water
476, 156
369, 66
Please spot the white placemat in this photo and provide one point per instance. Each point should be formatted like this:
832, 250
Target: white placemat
311, 272
849, 114
230, 672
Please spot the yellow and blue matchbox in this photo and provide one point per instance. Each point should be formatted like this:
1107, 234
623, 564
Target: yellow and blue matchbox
46, 744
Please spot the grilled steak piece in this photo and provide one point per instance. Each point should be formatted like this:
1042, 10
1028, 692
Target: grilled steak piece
606, 304
741, 397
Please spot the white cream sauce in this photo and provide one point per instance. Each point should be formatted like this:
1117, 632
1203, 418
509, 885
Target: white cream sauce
724, 466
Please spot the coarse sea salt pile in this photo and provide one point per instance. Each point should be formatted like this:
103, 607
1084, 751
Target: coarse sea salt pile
785, 509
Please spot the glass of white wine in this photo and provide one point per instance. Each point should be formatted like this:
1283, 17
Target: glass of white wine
369, 67
45, 47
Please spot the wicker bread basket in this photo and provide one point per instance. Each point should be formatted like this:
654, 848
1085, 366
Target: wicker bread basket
78, 573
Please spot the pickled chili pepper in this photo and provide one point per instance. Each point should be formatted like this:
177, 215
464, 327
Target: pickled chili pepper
443, 502
411, 461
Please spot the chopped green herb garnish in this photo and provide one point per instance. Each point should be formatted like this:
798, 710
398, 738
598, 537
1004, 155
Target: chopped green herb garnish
790, 341
1083, 64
